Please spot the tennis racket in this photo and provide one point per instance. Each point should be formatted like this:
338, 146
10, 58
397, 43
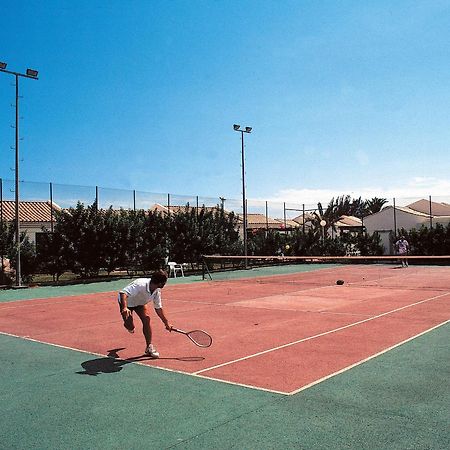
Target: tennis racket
198, 337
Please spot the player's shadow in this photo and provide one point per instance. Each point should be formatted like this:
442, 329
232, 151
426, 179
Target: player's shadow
113, 363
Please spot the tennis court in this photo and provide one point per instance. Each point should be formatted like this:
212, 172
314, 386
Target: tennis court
297, 362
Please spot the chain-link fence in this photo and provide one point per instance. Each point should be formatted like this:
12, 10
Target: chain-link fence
428, 208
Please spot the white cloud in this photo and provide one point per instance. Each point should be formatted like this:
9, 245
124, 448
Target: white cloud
412, 189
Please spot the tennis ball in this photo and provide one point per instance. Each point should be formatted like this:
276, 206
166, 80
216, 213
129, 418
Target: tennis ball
287, 247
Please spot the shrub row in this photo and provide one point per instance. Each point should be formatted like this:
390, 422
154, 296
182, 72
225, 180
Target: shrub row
86, 240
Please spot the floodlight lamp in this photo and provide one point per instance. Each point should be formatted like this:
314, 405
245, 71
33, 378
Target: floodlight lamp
248, 129
236, 127
3, 65
32, 73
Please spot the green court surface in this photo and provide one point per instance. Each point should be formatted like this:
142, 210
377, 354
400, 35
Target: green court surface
56, 398
117, 284
9, 295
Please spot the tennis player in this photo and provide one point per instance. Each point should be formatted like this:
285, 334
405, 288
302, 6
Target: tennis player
136, 297
403, 246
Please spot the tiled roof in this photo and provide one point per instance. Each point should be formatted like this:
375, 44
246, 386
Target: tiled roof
308, 217
177, 208
28, 211
289, 223
261, 221
404, 209
437, 209
157, 207
349, 221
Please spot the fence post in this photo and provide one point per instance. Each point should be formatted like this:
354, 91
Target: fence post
51, 207
52, 245
1, 200
303, 225
267, 218
395, 222
431, 216
1, 225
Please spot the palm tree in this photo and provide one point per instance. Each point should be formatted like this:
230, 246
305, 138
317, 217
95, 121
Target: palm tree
374, 205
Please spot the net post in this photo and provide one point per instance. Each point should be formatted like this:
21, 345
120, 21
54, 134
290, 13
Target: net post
205, 269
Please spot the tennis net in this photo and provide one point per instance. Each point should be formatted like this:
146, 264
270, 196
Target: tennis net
295, 272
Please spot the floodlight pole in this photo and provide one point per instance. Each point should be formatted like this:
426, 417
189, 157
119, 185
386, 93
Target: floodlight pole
244, 201
30, 74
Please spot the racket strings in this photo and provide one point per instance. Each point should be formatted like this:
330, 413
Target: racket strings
200, 338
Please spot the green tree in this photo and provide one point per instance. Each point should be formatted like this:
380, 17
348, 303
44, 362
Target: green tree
6, 249
194, 232
28, 260
115, 239
152, 249
374, 205
81, 230
428, 241
51, 254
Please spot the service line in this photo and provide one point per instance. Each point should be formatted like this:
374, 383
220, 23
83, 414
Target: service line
335, 330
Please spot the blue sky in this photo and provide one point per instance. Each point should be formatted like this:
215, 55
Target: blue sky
348, 97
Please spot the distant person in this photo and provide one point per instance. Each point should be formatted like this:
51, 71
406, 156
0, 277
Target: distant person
402, 246
136, 298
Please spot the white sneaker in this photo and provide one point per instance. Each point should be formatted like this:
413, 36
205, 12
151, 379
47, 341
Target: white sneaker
151, 351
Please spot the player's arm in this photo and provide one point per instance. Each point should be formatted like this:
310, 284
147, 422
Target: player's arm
163, 317
124, 305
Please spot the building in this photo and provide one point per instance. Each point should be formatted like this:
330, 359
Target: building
415, 215
256, 222
33, 216
305, 220
349, 224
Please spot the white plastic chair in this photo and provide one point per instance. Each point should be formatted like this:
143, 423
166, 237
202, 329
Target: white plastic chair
174, 267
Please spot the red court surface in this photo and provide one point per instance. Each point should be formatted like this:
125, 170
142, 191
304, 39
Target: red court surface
279, 336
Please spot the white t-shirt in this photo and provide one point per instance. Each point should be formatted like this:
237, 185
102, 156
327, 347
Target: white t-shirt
403, 246
138, 292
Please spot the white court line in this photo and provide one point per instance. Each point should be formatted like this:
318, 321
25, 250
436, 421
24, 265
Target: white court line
366, 359
64, 347
195, 374
319, 335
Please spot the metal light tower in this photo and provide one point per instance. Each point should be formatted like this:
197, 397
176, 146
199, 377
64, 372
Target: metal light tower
244, 200
30, 73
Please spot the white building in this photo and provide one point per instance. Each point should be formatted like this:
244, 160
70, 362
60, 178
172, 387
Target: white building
414, 215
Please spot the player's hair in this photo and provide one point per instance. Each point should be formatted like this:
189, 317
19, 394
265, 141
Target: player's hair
160, 276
